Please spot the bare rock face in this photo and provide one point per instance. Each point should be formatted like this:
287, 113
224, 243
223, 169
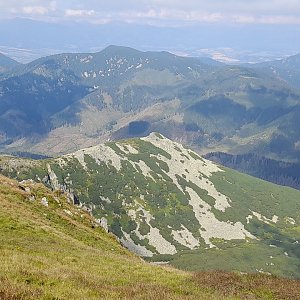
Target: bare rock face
31, 198
103, 223
44, 201
53, 179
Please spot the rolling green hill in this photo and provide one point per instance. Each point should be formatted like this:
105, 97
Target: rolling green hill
166, 203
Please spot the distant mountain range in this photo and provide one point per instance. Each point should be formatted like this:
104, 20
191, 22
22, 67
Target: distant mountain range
64, 102
165, 202
28, 39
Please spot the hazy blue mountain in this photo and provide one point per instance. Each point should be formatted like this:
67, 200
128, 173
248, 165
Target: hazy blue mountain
251, 43
32, 94
7, 63
165, 202
61, 103
287, 69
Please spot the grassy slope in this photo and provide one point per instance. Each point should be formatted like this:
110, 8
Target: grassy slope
45, 253
48, 254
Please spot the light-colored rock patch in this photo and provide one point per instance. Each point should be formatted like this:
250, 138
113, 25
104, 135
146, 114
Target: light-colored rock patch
155, 238
208, 167
44, 201
132, 214
130, 245
104, 224
260, 217
139, 214
66, 211
100, 153
290, 220
159, 242
144, 168
62, 163
128, 149
248, 218
53, 178
265, 219
211, 227
192, 168
105, 199
79, 155
185, 238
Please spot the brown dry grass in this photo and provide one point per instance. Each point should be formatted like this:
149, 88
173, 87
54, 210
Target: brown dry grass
250, 286
17, 291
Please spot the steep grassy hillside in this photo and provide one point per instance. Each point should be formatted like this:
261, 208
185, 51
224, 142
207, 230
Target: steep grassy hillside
52, 250
165, 202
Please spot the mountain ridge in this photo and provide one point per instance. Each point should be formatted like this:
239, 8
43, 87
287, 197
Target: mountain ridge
7, 63
165, 202
92, 98
286, 69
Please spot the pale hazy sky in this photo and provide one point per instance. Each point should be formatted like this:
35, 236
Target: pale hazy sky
156, 12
